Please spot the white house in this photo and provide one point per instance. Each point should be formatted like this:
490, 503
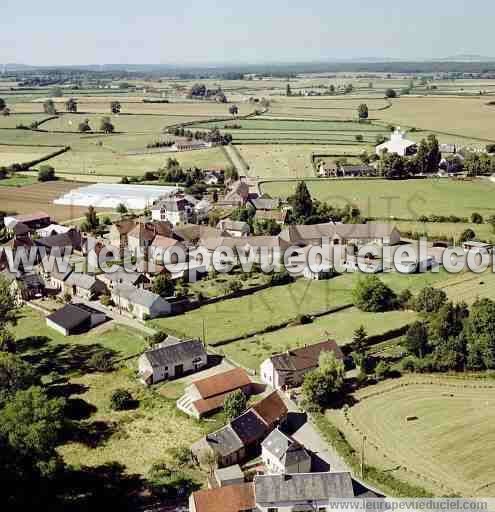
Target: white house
233, 228
142, 304
398, 144
176, 210
171, 359
283, 455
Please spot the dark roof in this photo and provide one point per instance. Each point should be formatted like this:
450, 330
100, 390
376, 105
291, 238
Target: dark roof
303, 487
30, 217
306, 357
60, 240
232, 498
70, 317
222, 383
21, 229
271, 409
175, 353
249, 427
31, 280
225, 441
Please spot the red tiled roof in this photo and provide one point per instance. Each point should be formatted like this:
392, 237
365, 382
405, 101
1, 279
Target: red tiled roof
206, 405
222, 383
271, 409
232, 498
306, 357
164, 242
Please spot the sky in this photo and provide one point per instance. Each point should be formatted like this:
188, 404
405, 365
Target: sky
56, 32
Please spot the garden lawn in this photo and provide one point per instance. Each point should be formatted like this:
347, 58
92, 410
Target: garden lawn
137, 438
34, 336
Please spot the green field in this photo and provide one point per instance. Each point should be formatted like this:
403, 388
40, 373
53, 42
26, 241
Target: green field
251, 352
448, 447
399, 199
276, 305
447, 229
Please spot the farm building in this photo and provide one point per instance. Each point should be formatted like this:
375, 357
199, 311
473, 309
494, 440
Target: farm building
289, 368
233, 228
99, 195
398, 144
171, 359
230, 475
207, 396
75, 319
35, 220
231, 498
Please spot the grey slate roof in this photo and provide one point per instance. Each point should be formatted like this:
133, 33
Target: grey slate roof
286, 450
137, 295
249, 427
84, 281
70, 316
174, 352
303, 487
224, 441
261, 203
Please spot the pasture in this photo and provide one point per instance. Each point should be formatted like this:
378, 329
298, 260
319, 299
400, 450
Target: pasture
408, 199
446, 445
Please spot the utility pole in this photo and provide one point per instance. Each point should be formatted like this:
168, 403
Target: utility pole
362, 456
204, 332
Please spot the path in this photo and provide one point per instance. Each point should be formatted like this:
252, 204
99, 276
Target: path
236, 160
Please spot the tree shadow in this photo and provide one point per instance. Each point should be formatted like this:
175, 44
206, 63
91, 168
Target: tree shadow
77, 409
62, 358
91, 434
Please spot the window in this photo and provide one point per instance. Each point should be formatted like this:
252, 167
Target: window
273, 509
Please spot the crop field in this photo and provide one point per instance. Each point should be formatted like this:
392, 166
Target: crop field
413, 425
399, 199
468, 117
39, 197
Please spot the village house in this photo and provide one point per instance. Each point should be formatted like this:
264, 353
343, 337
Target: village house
206, 396
53, 229
166, 251
83, 286
288, 369
377, 233
175, 209
142, 304
121, 276
398, 144
283, 455
301, 491
230, 475
75, 319
71, 240
231, 498
241, 439
33, 221
265, 204
172, 359
233, 228
237, 194
28, 286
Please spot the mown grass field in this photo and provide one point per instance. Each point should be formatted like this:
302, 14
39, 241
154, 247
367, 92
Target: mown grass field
22, 154
469, 117
447, 448
399, 199
447, 229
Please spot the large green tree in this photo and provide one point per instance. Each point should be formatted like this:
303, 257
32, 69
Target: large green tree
363, 111
371, 294
301, 202
235, 404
